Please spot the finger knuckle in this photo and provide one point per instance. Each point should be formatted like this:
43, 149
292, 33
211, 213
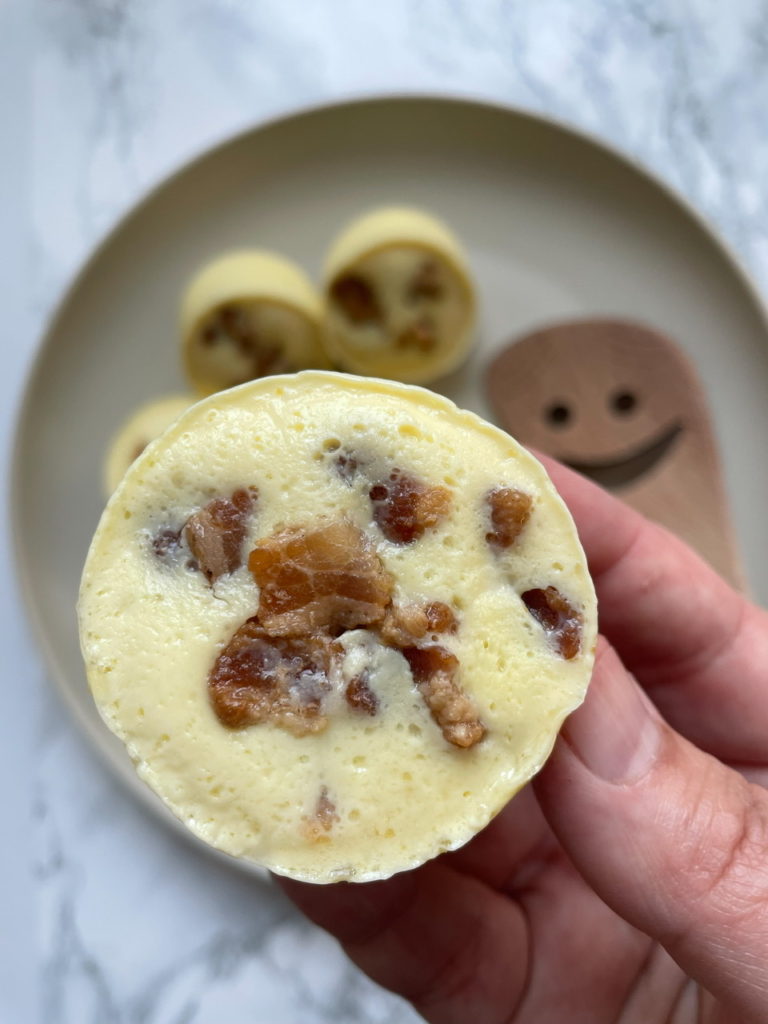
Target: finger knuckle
720, 869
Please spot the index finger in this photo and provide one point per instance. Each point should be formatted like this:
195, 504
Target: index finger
697, 646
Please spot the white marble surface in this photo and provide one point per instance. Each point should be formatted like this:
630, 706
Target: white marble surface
107, 917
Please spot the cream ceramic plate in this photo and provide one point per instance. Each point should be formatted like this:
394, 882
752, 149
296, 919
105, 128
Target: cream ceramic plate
555, 226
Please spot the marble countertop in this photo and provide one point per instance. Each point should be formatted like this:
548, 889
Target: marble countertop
108, 917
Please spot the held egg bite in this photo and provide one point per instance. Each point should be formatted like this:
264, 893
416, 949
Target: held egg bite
141, 427
399, 297
337, 622
248, 314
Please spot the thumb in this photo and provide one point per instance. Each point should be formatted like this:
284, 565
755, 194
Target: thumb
673, 840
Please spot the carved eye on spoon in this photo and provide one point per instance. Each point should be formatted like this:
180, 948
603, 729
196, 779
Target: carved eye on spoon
559, 415
624, 403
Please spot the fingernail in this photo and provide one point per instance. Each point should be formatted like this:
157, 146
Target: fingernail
617, 732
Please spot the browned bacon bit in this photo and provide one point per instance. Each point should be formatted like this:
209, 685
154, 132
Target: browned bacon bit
404, 507
166, 543
360, 696
557, 617
232, 320
434, 670
259, 678
326, 579
509, 510
232, 324
419, 335
404, 624
357, 299
440, 618
425, 283
216, 532
348, 464
323, 818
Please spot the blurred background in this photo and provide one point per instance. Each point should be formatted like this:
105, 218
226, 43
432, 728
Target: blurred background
107, 917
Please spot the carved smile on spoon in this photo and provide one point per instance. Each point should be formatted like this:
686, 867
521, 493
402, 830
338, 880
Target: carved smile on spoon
617, 473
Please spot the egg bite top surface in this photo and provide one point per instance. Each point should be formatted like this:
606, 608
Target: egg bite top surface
248, 314
399, 297
337, 622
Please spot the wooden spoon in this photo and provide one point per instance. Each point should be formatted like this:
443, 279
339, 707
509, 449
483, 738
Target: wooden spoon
622, 404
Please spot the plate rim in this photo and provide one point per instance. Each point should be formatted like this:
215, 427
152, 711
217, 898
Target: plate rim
96, 732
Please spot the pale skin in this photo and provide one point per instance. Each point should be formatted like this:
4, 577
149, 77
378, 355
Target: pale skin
629, 883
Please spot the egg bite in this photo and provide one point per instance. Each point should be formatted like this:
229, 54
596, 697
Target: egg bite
246, 315
399, 297
337, 622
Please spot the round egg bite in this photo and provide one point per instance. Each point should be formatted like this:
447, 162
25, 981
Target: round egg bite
337, 622
141, 427
246, 315
399, 298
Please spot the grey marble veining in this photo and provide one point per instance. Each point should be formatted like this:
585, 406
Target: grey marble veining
135, 924
140, 926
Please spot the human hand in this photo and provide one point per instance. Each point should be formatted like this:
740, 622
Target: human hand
630, 881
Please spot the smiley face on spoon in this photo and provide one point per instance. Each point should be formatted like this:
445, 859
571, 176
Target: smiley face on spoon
622, 404
628, 466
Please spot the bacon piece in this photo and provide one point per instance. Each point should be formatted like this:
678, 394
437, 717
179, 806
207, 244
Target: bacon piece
232, 324
357, 299
166, 543
261, 678
324, 816
405, 624
404, 508
326, 579
360, 696
557, 617
419, 335
350, 464
508, 510
216, 532
434, 669
425, 283
440, 618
